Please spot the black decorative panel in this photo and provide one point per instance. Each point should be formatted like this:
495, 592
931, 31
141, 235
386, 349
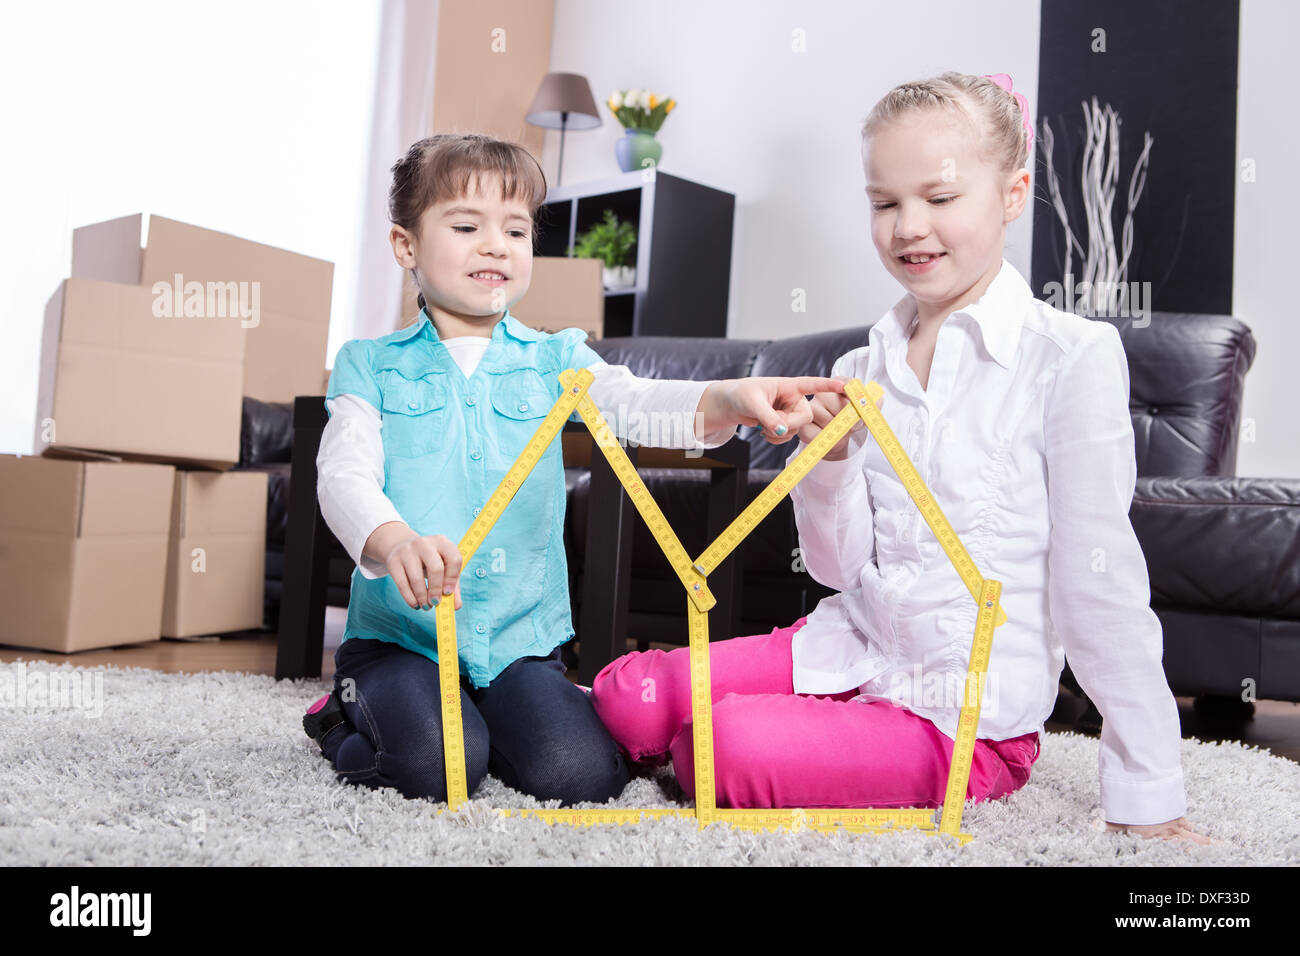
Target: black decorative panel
1168, 68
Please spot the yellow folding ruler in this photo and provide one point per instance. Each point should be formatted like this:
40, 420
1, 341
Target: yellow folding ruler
693, 574
453, 738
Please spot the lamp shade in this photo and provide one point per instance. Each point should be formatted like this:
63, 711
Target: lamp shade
562, 93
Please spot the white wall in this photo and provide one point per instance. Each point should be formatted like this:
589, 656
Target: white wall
252, 119
244, 117
780, 129
1264, 246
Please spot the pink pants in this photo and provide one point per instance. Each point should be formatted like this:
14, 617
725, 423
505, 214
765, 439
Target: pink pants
775, 748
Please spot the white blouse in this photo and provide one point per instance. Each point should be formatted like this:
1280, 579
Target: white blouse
1024, 437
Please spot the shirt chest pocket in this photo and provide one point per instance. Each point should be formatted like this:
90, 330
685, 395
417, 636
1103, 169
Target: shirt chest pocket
414, 414
520, 400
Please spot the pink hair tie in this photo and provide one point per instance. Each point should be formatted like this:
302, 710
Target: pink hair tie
1004, 81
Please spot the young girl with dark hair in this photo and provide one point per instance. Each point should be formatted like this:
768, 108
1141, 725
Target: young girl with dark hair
424, 423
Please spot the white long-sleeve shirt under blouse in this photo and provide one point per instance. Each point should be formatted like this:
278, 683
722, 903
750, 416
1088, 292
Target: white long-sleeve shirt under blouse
1024, 437
350, 463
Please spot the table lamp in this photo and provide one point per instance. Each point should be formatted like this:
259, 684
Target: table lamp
563, 102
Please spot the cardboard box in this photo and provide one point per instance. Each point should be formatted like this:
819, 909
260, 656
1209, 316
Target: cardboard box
216, 554
118, 381
281, 299
83, 552
564, 294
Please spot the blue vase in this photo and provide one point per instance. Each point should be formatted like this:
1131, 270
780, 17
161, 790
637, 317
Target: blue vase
638, 149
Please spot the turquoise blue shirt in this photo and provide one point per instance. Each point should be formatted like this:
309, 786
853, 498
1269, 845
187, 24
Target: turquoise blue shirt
448, 441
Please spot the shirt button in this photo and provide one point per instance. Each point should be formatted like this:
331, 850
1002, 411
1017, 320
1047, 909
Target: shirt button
905, 536
476, 512
470, 401
412, 404
523, 406
476, 455
480, 573
481, 628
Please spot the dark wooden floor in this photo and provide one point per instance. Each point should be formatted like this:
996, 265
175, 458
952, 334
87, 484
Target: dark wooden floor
1274, 725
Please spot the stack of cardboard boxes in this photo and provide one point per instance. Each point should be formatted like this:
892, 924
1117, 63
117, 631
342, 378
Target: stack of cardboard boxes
130, 525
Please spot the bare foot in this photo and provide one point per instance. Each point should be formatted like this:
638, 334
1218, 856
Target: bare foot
1178, 829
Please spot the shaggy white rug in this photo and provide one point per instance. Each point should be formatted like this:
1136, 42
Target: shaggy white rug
214, 769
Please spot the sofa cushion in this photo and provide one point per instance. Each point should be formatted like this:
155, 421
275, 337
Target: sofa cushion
265, 432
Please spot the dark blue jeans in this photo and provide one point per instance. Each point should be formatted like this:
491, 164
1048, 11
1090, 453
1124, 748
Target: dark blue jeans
531, 728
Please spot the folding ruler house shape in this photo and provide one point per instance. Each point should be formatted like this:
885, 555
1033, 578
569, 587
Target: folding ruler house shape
693, 575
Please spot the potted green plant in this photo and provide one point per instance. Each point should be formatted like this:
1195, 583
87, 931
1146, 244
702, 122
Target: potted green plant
614, 243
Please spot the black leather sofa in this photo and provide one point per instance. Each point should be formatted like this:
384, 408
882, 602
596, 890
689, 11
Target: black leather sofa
1223, 551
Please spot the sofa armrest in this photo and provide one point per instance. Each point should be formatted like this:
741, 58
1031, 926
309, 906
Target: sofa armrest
1225, 545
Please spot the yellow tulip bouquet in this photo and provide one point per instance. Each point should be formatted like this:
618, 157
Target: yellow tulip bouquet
640, 109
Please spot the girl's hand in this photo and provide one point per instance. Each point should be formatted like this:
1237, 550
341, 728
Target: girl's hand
413, 559
1178, 829
433, 558
776, 405
826, 406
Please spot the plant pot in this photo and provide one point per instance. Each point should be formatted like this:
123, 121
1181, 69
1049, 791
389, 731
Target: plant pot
638, 149
619, 278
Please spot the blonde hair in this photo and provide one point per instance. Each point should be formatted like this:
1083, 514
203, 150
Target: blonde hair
991, 113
